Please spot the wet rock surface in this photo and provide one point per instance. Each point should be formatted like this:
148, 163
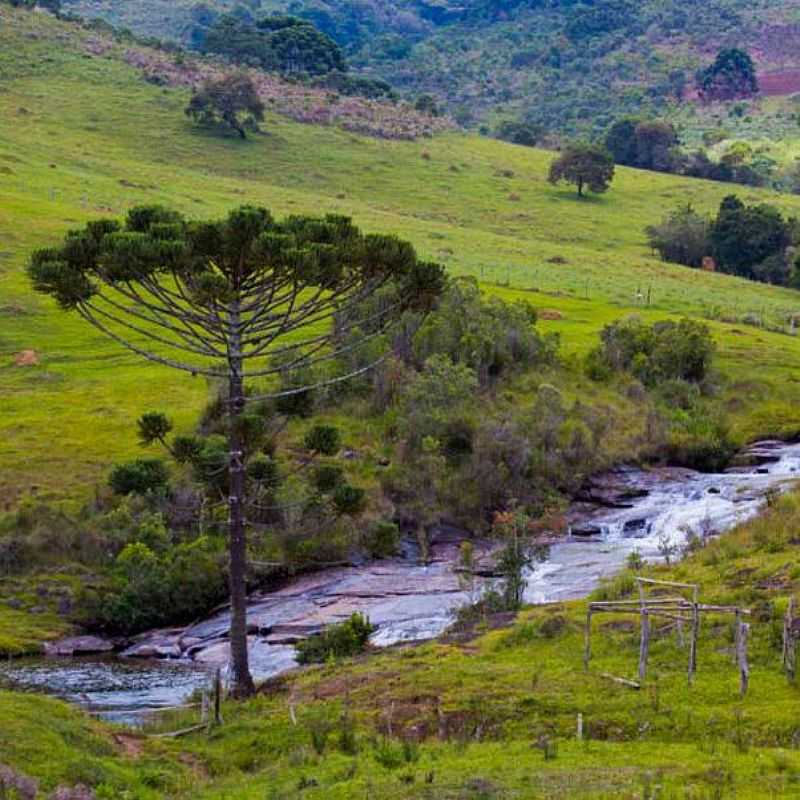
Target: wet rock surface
404, 600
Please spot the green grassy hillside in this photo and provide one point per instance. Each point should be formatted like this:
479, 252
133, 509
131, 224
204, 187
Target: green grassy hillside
83, 135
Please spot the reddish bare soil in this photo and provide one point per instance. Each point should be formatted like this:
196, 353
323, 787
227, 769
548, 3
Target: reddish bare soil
777, 84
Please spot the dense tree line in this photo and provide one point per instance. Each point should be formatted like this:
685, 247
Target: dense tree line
277, 44
752, 241
654, 144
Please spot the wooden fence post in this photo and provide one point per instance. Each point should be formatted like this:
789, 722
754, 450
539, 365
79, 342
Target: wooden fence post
737, 633
204, 708
789, 643
644, 644
695, 635
744, 667
587, 641
218, 697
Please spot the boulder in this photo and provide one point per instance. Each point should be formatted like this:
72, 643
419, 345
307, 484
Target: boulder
27, 358
586, 530
153, 650
636, 528
79, 646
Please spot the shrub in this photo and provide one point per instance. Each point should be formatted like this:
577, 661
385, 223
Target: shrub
148, 589
617, 588
139, 477
264, 471
327, 477
700, 440
487, 335
655, 353
382, 540
349, 499
337, 641
324, 439
389, 754
681, 237
522, 133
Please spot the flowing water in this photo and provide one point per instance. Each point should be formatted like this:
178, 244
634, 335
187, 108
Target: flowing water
649, 511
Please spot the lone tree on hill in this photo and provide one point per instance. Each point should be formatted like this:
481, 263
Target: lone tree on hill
589, 165
246, 296
732, 75
232, 101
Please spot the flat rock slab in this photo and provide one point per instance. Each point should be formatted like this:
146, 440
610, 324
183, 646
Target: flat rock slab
80, 646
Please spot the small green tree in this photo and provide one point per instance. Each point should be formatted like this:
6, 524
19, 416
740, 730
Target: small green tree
584, 165
681, 237
231, 101
744, 238
426, 104
515, 557
621, 141
732, 75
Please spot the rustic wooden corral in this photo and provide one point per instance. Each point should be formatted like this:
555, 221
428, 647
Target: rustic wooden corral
678, 610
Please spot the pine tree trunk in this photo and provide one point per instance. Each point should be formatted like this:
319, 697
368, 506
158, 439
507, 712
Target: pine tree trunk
240, 678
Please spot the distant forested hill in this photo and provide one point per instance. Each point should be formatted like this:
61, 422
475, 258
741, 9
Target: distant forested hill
567, 65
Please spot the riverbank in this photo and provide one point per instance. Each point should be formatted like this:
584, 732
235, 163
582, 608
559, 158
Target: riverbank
646, 514
455, 718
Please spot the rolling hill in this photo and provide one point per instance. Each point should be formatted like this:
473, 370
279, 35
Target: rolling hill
83, 134
566, 65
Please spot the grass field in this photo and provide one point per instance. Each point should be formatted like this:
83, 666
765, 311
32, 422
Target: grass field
83, 135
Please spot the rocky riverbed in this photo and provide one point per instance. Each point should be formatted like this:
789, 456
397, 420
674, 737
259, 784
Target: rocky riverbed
629, 509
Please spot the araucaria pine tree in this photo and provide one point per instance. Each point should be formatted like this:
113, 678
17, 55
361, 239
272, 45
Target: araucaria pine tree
243, 297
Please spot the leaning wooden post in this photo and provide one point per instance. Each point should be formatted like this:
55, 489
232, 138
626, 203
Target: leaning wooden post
737, 633
695, 635
789, 644
744, 667
645, 644
587, 640
786, 617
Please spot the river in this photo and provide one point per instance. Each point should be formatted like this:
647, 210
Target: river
630, 509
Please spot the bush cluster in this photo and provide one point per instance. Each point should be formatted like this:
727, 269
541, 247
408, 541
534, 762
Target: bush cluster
153, 587
752, 241
654, 353
344, 640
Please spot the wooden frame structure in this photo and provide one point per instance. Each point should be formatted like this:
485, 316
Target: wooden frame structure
679, 611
